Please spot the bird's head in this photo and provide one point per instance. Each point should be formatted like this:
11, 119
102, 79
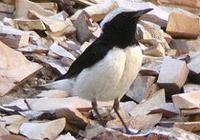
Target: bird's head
120, 25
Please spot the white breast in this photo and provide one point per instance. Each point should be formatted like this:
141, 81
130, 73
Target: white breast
111, 77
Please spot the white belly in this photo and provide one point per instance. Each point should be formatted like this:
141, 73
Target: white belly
111, 77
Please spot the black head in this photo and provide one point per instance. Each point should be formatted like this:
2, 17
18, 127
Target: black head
121, 28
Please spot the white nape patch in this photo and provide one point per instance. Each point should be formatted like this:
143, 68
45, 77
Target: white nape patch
111, 15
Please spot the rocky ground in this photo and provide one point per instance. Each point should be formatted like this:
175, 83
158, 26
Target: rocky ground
38, 43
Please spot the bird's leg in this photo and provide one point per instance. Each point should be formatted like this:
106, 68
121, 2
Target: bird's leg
95, 107
116, 109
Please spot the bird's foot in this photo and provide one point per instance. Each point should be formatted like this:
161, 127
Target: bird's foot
129, 132
99, 118
116, 108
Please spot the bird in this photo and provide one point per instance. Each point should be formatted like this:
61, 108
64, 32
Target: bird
108, 67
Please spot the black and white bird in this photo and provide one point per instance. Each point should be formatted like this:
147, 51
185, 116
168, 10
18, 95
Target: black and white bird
108, 67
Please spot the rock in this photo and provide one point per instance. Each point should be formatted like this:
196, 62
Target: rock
194, 64
192, 3
83, 32
22, 7
73, 116
157, 51
33, 49
151, 66
57, 49
18, 105
67, 136
167, 109
193, 45
173, 75
53, 94
13, 38
14, 122
52, 6
7, 99
191, 87
146, 106
180, 46
45, 104
139, 87
40, 131
138, 122
12, 137
188, 126
127, 106
15, 68
3, 130
28, 24
57, 25
92, 131
84, 2
152, 35
9, 2
99, 11
153, 134
187, 112
54, 63
5, 8
150, 91
183, 26
187, 100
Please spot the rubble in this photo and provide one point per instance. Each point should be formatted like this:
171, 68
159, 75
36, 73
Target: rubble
138, 92
40, 39
188, 30
11, 76
43, 130
28, 25
13, 37
23, 6
173, 75
187, 100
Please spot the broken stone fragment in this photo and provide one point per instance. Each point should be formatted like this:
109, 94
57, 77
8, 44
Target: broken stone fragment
67, 136
188, 126
14, 122
183, 26
153, 134
83, 32
194, 64
167, 109
191, 3
138, 122
152, 102
10, 76
42, 130
99, 11
189, 100
22, 7
13, 37
173, 75
189, 87
28, 25
139, 87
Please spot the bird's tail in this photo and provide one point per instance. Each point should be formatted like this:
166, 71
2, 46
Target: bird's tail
65, 85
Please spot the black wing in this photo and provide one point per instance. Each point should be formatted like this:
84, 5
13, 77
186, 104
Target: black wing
94, 53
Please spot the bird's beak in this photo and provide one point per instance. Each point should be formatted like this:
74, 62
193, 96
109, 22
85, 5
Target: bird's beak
142, 12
